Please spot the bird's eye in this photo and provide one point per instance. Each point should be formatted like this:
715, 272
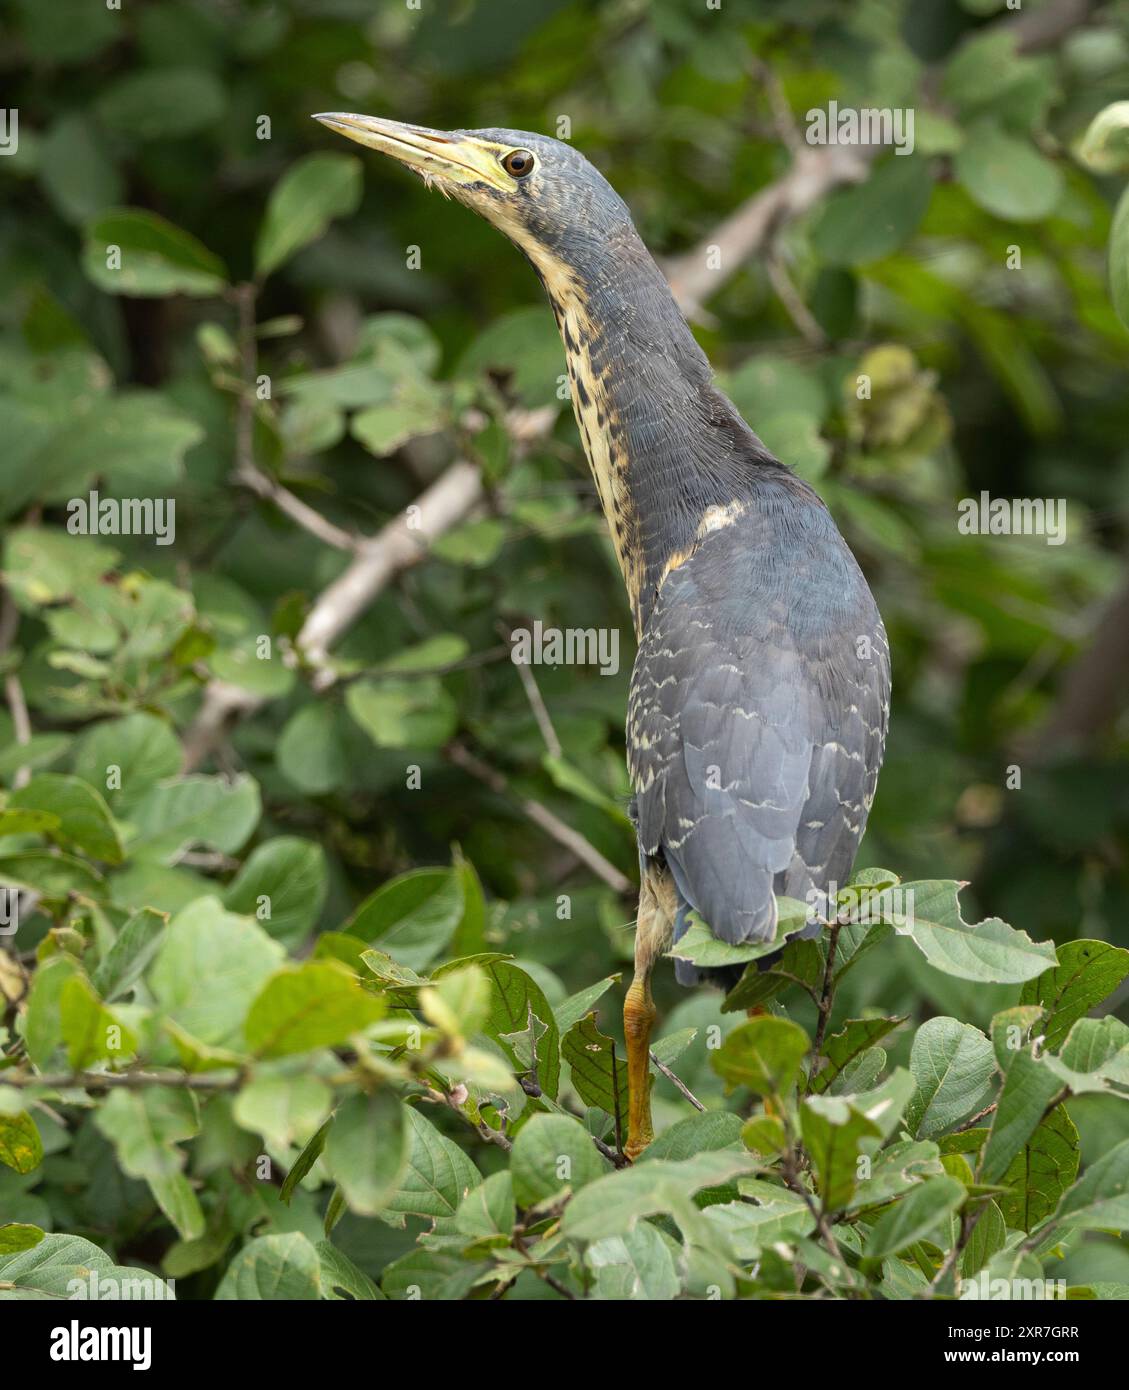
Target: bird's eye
518, 163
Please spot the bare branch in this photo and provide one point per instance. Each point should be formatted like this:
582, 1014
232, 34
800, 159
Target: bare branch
541, 816
402, 543
678, 1082
13, 690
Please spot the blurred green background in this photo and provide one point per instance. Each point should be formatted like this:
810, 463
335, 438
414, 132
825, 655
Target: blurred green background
1008, 652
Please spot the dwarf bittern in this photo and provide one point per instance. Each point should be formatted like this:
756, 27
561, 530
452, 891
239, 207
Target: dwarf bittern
760, 693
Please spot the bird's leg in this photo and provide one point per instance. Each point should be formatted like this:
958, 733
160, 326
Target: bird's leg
652, 937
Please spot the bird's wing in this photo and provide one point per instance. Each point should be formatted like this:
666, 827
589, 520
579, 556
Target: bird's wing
756, 722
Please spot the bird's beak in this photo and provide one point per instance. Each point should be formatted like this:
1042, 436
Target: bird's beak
459, 159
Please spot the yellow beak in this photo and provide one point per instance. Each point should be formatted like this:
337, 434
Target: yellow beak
434, 153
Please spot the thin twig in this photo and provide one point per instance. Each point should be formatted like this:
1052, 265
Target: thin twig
681, 1085
826, 997
790, 297
541, 816
536, 703
553, 1283
13, 690
974, 1120
123, 1080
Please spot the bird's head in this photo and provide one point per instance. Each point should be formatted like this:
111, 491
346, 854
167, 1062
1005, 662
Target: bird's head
541, 193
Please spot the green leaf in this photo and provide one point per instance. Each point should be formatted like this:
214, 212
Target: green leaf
284, 1109
42, 1029
1087, 972
801, 960
436, 1178
282, 885
162, 102
1007, 176
317, 1004
763, 1054
413, 916
210, 968
476, 543
383, 429
413, 714
133, 252
18, 1235
893, 1171
1099, 1200
84, 819
834, 1130
458, 1002
953, 1067
1028, 1089
698, 1133
523, 343
60, 1264
863, 224
1041, 1172
487, 1212
577, 1005
196, 810
91, 1032
913, 1217
989, 953
637, 1266
989, 1236
444, 649
311, 752
1119, 259
1013, 1031
21, 1147
522, 1023
143, 749
614, 1204
368, 1149
751, 1229
302, 204
552, 1154
278, 1267
702, 948
1105, 145
764, 1135
145, 1127
137, 942
842, 1049
304, 1162
598, 1074
340, 1278
1094, 1057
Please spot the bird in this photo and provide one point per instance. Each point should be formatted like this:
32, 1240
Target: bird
760, 693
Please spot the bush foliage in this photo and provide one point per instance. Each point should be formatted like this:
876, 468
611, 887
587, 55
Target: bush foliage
316, 918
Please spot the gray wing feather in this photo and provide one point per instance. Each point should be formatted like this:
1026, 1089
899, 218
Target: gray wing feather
756, 726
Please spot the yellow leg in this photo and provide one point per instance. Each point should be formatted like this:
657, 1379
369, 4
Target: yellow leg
652, 938
638, 1020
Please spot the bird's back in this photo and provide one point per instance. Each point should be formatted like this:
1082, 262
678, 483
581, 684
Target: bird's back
758, 712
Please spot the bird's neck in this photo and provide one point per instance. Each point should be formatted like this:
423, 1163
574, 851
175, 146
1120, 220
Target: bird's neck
671, 457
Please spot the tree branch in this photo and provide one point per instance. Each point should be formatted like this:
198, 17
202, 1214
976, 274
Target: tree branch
541, 816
